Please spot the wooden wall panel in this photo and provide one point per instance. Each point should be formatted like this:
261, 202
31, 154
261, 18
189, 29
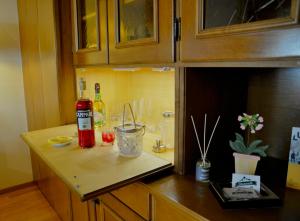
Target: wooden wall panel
38, 48
67, 79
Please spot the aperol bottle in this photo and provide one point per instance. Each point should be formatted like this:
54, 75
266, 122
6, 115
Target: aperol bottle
85, 120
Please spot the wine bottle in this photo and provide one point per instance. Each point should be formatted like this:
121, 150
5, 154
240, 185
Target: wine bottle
99, 108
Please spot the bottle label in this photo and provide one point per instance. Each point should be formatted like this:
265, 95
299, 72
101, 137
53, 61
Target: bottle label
84, 119
99, 119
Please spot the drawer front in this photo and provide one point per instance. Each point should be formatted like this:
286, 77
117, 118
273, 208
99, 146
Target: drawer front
137, 197
107, 214
118, 209
164, 210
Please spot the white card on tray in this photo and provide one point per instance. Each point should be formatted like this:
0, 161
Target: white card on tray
246, 181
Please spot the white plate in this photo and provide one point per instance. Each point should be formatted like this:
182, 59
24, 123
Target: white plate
60, 141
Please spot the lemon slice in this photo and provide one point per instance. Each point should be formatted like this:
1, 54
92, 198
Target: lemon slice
60, 141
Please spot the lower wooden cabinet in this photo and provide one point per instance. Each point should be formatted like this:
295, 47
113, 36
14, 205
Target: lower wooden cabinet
137, 197
55, 191
134, 202
164, 210
80, 210
106, 214
111, 209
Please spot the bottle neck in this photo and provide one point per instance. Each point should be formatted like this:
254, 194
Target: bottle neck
82, 94
97, 95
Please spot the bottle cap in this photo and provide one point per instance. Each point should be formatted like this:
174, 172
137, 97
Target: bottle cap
97, 87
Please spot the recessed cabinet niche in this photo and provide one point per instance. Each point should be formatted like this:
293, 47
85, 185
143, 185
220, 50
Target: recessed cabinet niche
89, 32
229, 92
226, 30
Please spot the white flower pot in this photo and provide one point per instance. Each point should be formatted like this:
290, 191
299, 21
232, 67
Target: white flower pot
245, 164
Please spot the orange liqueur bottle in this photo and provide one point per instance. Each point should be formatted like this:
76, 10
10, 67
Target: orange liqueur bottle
85, 121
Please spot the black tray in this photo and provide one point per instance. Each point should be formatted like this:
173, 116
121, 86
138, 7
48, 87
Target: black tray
267, 197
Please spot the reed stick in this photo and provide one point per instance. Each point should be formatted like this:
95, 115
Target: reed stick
196, 133
205, 148
204, 134
211, 136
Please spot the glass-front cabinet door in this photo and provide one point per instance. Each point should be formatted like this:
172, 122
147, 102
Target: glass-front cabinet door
219, 16
136, 21
87, 24
89, 32
140, 31
239, 29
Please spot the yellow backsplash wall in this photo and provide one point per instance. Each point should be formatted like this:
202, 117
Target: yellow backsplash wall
150, 91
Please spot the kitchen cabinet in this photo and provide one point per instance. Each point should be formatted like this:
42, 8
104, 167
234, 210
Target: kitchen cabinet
137, 197
54, 190
107, 214
80, 210
239, 30
134, 28
111, 209
140, 31
174, 211
89, 32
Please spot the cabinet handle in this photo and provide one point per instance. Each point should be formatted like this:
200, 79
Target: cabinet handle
177, 29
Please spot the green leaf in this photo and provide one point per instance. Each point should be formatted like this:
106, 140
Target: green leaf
254, 143
238, 146
234, 146
239, 137
260, 152
264, 148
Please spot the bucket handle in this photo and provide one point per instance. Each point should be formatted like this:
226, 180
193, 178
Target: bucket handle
131, 114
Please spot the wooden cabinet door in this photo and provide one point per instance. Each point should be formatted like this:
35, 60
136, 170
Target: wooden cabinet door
111, 209
163, 210
228, 30
107, 214
137, 197
55, 191
80, 210
89, 32
140, 31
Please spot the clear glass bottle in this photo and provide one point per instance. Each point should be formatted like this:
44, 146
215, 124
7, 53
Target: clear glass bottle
167, 129
99, 108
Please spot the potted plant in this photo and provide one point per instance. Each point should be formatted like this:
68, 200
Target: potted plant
248, 153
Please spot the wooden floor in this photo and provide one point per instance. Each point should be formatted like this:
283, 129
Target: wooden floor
26, 204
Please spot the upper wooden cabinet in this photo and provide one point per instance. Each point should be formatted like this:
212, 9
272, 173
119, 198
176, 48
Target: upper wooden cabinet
140, 31
89, 32
233, 30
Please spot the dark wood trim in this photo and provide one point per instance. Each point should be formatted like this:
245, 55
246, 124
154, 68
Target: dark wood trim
18, 187
179, 153
284, 62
